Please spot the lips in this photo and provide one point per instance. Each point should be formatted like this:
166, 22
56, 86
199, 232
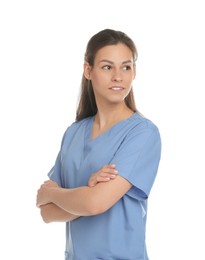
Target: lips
116, 88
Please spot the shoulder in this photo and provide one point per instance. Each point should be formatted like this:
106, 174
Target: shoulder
77, 127
78, 124
139, 123
142, 131
143, 135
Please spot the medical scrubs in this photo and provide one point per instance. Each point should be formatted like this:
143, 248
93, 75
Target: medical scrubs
134, 146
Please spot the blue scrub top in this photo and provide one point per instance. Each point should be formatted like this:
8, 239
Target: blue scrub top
134, 146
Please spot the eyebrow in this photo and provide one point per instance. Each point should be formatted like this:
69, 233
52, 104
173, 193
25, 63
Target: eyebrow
111, 62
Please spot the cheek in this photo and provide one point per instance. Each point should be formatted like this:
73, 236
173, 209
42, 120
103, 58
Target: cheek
130, 79
99, 80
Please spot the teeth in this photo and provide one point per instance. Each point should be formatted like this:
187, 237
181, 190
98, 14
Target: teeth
116, 88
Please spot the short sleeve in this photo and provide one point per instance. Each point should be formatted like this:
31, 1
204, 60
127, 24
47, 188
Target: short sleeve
55, 172
137, 160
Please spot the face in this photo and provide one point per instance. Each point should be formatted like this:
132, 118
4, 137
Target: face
112, 73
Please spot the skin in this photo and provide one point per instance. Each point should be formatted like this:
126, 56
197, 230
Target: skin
50, 212
113, 68
112, 76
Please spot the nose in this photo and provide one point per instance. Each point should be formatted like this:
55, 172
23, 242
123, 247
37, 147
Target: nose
117, 75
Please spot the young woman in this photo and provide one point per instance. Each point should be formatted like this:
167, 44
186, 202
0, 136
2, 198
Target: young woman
108, 160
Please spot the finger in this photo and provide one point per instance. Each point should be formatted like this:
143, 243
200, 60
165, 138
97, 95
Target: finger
48, 182
107, 175
111, 166
93, 181
103, 178
109, 171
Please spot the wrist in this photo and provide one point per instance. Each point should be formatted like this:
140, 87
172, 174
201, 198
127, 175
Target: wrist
54, 194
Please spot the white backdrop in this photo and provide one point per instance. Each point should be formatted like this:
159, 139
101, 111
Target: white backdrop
42, 44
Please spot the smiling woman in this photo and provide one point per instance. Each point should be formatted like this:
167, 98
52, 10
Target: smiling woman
105, 39
108, 160
112, 73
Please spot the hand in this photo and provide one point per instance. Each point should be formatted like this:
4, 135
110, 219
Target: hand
106, 173
51, 183
43, 194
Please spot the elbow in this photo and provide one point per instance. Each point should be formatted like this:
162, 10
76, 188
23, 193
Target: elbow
95, 207
92, 211
45, 217
97, 212
46, 220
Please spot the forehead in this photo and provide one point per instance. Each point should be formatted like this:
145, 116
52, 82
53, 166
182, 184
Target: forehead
115, 53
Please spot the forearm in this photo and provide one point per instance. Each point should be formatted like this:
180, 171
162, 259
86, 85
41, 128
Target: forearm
79, 201
52, 213
75, 201
87, 201
84, 201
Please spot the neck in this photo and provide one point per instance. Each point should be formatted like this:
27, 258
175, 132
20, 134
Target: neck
109, 115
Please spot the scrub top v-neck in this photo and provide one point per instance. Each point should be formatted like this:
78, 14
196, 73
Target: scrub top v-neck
134, 146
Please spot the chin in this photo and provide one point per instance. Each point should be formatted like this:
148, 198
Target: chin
117, 101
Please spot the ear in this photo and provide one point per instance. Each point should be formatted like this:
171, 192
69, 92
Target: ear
87, 70
134, 75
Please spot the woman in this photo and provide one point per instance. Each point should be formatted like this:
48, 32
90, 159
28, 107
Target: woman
105, 212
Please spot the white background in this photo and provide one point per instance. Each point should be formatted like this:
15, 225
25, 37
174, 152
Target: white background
42, 44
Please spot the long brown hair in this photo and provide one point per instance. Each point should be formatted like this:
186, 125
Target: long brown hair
87, 104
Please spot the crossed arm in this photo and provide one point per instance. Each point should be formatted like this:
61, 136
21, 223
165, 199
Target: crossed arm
59, 204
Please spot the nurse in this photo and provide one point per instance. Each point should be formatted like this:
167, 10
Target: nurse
107, 162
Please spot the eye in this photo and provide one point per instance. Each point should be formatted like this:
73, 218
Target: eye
127, 67
106, 67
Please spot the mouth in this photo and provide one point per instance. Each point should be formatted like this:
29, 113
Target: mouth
117, 88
